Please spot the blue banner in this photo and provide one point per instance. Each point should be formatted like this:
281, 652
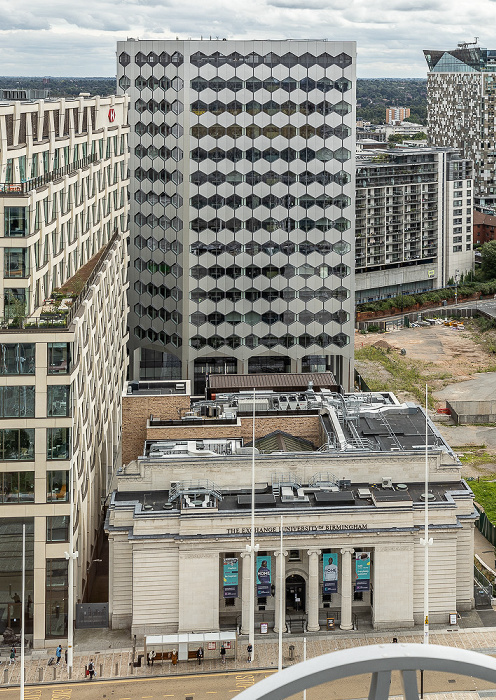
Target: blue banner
230, 578
330, 572
362, 568
264, 576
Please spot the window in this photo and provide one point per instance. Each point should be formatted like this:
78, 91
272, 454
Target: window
17, 443
16, 221
58, 400
17, 402
59, 358
57, 528
56, 595
58, 486
16, 487
16, 262
58, 443
294, 555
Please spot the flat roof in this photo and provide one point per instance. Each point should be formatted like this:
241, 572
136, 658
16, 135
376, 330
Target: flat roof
295, 382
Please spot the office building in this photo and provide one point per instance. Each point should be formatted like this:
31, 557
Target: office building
242, 170
346, 472
396, 115
460, 105
413, 221
63, 252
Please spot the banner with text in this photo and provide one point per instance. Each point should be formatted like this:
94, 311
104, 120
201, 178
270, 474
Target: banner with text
330, 572
362, 568
264, 576
230, 578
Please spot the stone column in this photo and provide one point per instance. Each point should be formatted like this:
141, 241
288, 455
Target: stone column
245, 593
280, 572
313, 590
346, 589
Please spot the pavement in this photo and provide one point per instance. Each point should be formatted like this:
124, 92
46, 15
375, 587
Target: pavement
117, 662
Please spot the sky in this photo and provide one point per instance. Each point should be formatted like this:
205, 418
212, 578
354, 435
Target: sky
76, 38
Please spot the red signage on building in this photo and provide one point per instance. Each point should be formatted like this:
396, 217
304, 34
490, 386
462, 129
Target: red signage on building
111, 114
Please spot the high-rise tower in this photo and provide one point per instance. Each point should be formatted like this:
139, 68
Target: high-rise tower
242, 200
461, 89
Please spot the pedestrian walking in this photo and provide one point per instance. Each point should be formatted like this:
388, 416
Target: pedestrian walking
91, 669
223, 654
199, 655
58, 654
65, 655
12, 656
249, 649
151, 657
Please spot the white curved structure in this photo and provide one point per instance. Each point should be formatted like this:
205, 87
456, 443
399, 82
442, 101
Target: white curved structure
378, 660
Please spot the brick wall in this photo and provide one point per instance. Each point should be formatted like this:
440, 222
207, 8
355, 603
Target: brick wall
136, 411
307, 427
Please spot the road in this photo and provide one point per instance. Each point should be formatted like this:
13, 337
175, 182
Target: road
224, 686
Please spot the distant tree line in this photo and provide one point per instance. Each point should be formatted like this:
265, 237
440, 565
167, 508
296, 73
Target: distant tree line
61, 87
376, 94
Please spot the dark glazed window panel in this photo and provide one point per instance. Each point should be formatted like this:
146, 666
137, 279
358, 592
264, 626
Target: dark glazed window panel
234, 201
234, 131
57, 528
17, 358
307, 108
271, 155
58, 443
252, 201
271, 108
234, 108
341, 340
16, 487
234, 84
216, 178
342, 108
58, 486
17, 444
288, 84
289, 108
59, 400
253, 108
17, 401
216, 318
234, 271
233, 295
342, 131
234, 155
198, 272
253, 178
217, 84
307, 84
233, 178
233, 341
252, 294
343, 60
215, 342
253, 154
253, 84
124, 59
198, 131
198, 108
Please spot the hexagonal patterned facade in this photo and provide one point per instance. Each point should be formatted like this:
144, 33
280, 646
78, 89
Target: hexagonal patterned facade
242, 201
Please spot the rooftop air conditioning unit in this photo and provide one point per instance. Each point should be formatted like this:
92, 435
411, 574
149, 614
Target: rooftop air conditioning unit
387, 482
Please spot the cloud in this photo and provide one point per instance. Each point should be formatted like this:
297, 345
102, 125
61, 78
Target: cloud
56, 37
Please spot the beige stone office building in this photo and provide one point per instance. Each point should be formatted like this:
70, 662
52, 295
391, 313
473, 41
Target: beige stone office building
351, 496
63, 229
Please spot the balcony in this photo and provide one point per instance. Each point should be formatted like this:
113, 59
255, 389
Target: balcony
59, 312
10, 189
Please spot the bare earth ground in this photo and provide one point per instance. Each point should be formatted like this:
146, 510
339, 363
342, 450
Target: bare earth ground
455, 364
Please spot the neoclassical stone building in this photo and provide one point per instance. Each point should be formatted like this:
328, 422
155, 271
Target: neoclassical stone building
352, 508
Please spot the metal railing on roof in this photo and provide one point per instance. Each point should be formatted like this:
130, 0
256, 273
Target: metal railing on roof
187, 488
22, 188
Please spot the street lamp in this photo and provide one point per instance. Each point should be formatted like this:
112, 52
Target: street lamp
252, 547
457, 272
71, 556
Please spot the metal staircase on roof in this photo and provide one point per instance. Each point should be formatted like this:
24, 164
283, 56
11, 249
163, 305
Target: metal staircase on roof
188, 488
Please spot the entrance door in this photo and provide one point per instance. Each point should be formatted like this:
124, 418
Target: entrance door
295, 594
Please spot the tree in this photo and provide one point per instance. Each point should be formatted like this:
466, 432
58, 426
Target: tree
396, 138
488, 255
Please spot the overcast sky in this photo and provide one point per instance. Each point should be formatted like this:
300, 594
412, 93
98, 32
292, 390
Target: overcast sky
76, 38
